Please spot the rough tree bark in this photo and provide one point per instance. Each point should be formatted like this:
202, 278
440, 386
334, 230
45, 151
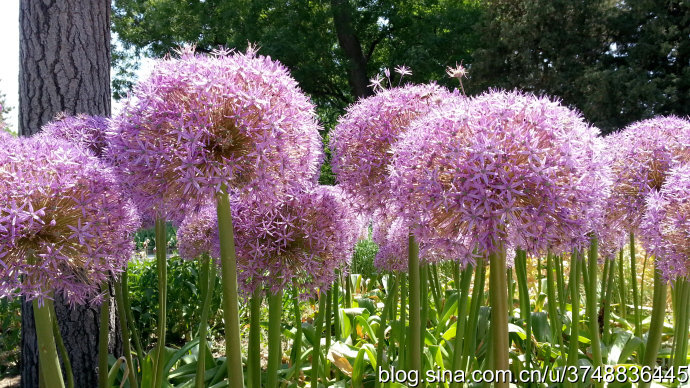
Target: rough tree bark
349, 42
64, 56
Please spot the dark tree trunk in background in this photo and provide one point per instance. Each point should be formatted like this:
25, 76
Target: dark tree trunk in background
349, 42
64, 53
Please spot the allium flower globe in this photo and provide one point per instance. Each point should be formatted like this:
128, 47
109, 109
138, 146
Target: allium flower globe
502, 167
641, 157
84, 130
300, 242
362, 139
198, 234
64, 226
666, 224
200, 123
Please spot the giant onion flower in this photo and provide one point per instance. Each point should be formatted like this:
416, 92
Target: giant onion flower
666, 224
198, 234
362, 140
64, 225
84, 130
201, 123
502, 167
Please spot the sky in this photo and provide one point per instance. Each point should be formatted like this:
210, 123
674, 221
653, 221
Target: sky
9, 66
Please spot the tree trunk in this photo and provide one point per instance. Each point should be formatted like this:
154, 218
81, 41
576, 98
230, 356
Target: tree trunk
64, 54
349, 42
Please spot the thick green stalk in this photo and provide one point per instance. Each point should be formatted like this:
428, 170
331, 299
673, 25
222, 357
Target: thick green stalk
208, 280
636, 295
608, 298
61, 347
387, 308
574, 288
402, 352
316, 349
436, 288
162, 267
336, 307
604, 278
329, 322
296, 355
499, 312
124, 331
414, 341
682, 325
469, 346
348, 291
103, 338
228, 260
130, 317
254, 346
622, 291
48, 360
592, 298
560, 284
424, 299
511, 293
463, 291
554, 317
656, 326
275, 312
525, 307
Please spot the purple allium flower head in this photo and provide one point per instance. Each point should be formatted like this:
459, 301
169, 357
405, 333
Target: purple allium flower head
641, 157
198, 234
665, 226
199, 123
503, 166
301, 242
362, 140
64, 225
86, 131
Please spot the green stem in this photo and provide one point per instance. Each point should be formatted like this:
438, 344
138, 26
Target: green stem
608, 299
103, 338
336, 307
499, 312
554, 317
636, 295
130, 317
228, 260
61, 346
463, 291
511, 293
525, 306
254, 346
471, 329
680, 356
329, 304
424, 299
560, 283
414, 337
402, 352
387, 308
162, 267
656, 326
47, 348
275, 312
436, 288
208, 279
622, 291
348, 291
124, 331
316, 349
591, 295
574, 287
296, 354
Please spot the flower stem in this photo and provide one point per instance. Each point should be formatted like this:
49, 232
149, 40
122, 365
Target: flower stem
608, 298
592, 310
103, 338
387, 308
316, 349
130, 318
275, 312
424, 299
414, 341
47, 348
471, 329
297, 345
124, 331
554, 317
207, 278
228, 260
61, 346
656, 325
636, 295
329, 321
621, 287
463, 290
574, 287
680, 356
499, 313
402, 351
525, 306
162, 267
254, 346
336, 307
